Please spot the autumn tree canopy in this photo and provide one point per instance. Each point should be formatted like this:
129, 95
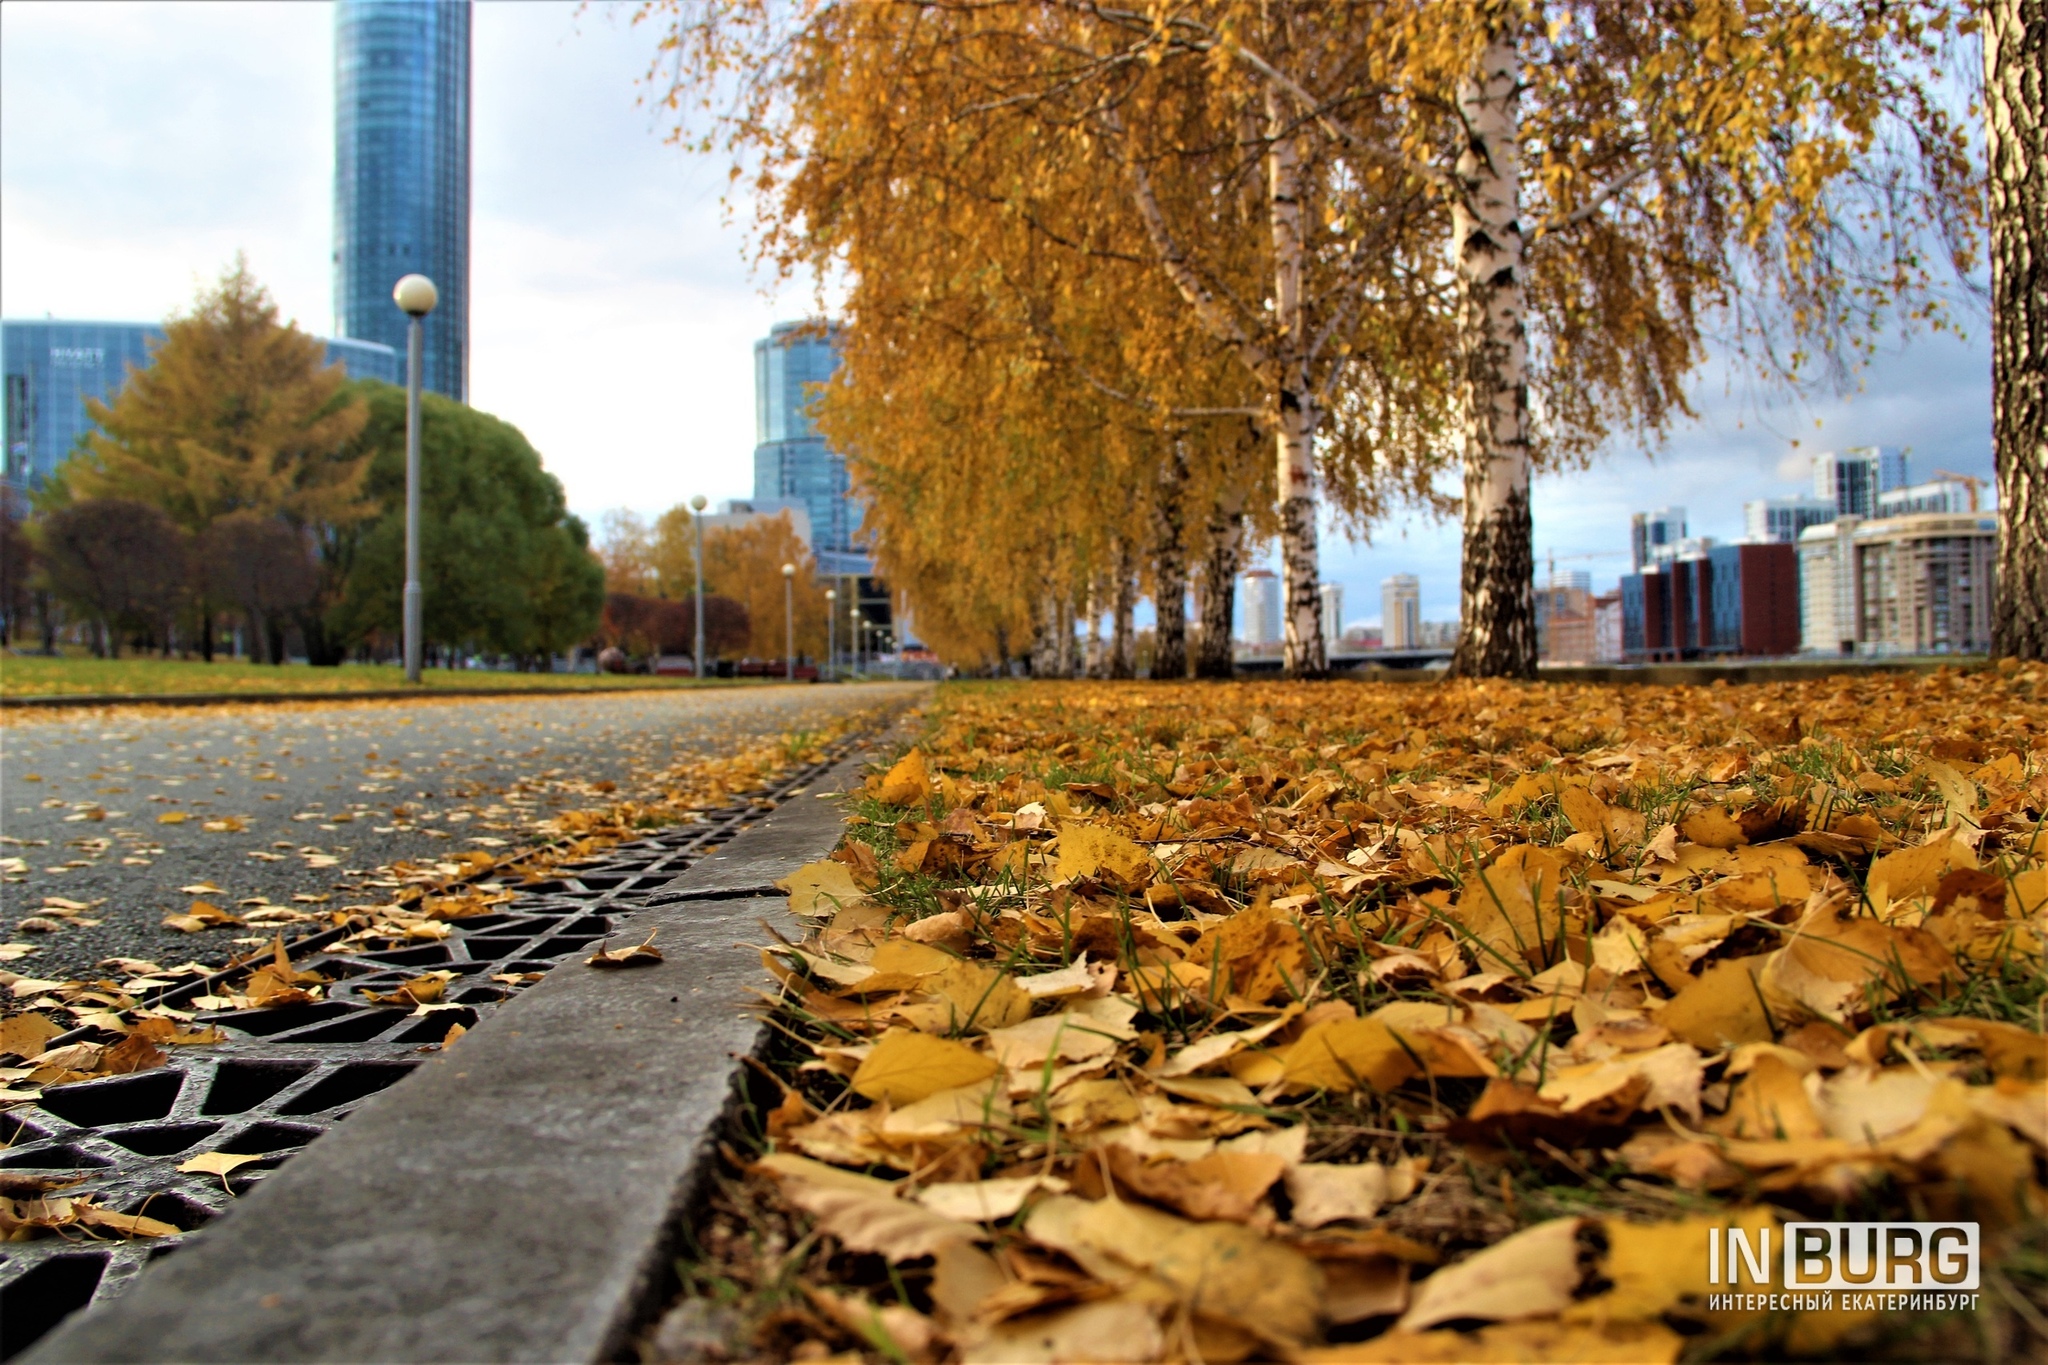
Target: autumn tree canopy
1395, 237
236, 413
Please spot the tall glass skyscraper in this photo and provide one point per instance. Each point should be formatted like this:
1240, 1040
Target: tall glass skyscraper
401, 174
791, 461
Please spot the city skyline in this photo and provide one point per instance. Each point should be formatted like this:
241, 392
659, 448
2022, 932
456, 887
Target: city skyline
614, 315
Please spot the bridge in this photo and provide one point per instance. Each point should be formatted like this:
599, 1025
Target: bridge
1344, 660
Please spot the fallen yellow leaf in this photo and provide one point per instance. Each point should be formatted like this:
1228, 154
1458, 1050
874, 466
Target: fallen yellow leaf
905, 1067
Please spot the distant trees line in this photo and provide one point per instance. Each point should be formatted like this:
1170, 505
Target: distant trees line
650, 577
238, 479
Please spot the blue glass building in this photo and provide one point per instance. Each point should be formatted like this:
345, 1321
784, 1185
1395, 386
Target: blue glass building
401, 175
791, 461
52, 367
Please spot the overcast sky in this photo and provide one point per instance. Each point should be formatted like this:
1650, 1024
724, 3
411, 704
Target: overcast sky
142, 145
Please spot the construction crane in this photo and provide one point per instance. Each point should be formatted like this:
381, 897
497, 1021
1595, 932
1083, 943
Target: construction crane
1969, 481
1554, 556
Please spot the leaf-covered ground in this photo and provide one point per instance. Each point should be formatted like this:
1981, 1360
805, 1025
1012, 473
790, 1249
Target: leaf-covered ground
1399, 1022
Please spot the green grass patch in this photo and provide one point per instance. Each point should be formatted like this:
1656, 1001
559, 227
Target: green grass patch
37, 676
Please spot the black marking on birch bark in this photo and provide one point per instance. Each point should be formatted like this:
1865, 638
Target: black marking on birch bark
1305, 656
1169, 571
2015, 55
1497, 598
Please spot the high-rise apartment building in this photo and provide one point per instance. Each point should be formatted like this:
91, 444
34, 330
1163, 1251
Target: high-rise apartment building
792, 463
401, 175
51, 367
1332, 595
1915, 584
1654, 536
1938, 495
1401, 612
1851, 480
1781, 521
1564, 621
1261, 623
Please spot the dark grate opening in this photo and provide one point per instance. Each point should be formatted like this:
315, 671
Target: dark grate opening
44, 1296
346, 1086
435, 1026
128, 1099
268, 1137
360, 1027
239, 1087
263, 1023
14, 1128
162, 1139
566, 945
491, 949
177, 1210
408, 957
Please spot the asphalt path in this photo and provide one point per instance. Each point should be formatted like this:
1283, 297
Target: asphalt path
274, 802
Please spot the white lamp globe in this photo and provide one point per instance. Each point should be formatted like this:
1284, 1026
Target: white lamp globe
698, 502
789, 571
415, 294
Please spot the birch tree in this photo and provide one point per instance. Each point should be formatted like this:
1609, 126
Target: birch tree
2016, 127
1617, 185
1205, 173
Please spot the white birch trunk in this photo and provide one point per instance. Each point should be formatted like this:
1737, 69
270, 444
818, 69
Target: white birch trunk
1063, 638
1295, 425
1497, 603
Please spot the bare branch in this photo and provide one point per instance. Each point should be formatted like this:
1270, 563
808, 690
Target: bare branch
1600, 200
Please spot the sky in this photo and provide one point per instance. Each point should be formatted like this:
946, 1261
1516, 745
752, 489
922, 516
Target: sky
614, 313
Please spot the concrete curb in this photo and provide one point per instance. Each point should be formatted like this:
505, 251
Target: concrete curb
516, 1197
97, 699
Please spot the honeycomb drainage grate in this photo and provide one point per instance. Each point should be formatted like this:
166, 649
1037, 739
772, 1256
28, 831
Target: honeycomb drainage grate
284, 1076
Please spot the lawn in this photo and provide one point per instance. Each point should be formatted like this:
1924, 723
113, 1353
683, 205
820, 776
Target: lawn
36, 676
1365, 1022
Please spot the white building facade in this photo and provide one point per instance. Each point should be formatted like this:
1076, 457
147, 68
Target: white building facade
1262, 620
1401, 612
1915, 584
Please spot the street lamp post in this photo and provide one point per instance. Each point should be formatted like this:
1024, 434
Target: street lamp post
789, 623
697, 558
416, 296
832, 635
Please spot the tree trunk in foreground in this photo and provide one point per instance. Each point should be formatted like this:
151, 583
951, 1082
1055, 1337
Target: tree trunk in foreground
1497, 605
1170, 569
1220, 564
1294, 431
2016, 136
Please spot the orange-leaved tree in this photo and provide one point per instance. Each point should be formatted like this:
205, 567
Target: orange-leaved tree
745, 562
237, 414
